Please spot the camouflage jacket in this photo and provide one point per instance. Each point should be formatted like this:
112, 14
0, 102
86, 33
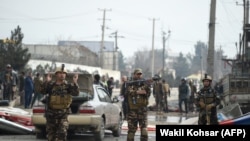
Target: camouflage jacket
51, 88
136, 101
207, 96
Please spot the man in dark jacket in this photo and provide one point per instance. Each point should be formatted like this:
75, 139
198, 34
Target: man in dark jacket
28, 90
110, 84
21, 87
123, 94
183, 95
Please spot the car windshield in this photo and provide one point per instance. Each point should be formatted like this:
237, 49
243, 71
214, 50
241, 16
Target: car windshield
85, 95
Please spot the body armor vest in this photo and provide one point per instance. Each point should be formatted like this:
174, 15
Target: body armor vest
207, 96
136, 101
59, 97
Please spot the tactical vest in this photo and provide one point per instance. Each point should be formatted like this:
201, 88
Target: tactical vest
207, 96
136, 101
59, 97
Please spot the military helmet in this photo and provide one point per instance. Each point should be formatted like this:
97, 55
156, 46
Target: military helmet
59, 69
8, 66
207, 77
156, 77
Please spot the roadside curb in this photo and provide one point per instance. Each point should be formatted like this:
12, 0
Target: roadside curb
125, 127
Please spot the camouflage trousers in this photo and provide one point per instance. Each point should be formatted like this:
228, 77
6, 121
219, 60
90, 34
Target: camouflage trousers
208, 117
136, 117
57, 129
8, 93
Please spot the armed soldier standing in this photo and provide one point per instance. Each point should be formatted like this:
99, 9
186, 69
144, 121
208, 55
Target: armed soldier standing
58, 103
207, 100
158, 94
137, 92
9, 80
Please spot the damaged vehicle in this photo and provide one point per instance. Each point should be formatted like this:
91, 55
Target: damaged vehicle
93, 111
14, 120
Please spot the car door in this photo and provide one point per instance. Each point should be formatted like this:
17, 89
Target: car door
114, 110
104, 104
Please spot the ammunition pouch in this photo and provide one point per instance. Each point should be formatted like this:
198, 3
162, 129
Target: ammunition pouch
60, 101
137, 102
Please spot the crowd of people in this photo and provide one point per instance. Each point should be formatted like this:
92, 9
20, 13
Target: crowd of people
23, 85
15, 84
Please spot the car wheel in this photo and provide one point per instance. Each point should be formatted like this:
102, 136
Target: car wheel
118, 128
41, 135
99, 136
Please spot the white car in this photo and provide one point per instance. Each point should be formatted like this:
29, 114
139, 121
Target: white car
92, 111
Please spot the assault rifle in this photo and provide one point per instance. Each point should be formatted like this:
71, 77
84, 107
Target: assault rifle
208, 113
140, 82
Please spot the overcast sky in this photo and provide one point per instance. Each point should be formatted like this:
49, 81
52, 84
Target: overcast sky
47, 21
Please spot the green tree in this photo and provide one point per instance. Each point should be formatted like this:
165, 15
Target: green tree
121, 61
198, 59
181, 66
11, 51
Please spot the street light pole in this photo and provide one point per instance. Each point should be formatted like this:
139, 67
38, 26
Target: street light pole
163, 53
153, 51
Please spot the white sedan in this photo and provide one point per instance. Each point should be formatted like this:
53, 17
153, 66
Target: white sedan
92, 111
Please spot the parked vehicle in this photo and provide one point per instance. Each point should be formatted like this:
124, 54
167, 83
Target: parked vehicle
236, 84
92, 111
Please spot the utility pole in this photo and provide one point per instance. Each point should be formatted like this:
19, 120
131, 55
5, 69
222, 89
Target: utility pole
102, 40
115, 53
245, 30
153, 51
243, 49
164, 39
211, 26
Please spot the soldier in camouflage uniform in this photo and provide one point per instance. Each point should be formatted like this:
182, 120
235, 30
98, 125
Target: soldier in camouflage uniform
37, 85
137, 93
158, 94
9, 79
207, 101
59, 97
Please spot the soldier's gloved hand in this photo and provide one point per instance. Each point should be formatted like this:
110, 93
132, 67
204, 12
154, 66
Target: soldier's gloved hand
209, 106
202, 104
